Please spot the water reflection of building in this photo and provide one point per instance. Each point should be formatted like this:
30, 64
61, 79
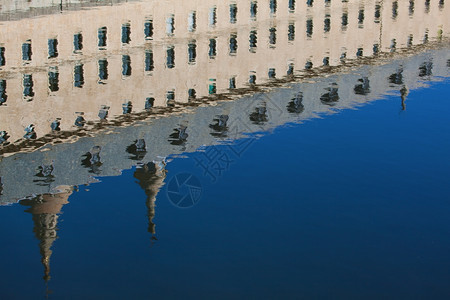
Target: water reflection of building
175, 52
45, 210
150, 178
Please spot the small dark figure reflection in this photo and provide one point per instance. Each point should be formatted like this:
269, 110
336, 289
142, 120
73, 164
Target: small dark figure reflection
137, 149
259, 115
149, 103
426, 69
403, 94
55, 125
30, 134
295, 106
150, 178
179, 136
127, 107
220, 126
44, 175
363, 88
331, 97
396, 78
92, 160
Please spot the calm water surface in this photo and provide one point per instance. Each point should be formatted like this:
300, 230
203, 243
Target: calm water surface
243, 149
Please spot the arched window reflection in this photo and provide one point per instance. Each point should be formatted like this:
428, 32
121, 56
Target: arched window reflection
53, 79
149, 63
126, 33
170, 57
192, 52
102, 37
78, 76
309, 27
233, 44
52, 48
28, 92
102, 70
26, 51
253, 41
212, 48
77, 42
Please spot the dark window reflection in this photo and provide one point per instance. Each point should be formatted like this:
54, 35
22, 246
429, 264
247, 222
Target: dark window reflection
308, 65
80, 121
179, 136
359, 53
170, 98
332, 97
309, 28
192, 52
326, 61
259, 115
327, 23
44, 175
290, 71
219, 127
253, 10
4, 136
397, 77
3, 96
102, 69
212, 16
295, 106
78, 76
441, 4
233, 13
149, 102
212, 87
427, 6
253, 40
376, 49
30, 134
78, 42
393, 46
102, 37
127, 107
291, 31
28, 92
55, 125
252, 79
212, 48
232, 83
2, 56
344, 21
411, 7
377, 14
426, 69
126, 33
272, 36
92, 161
425, 37
53, 80
192, 94
272, 74
192, 21
52, 48
137, 150
291, 5
126, 65
309, 2
363, 87
233, 43
394, 10
170, 59
361, 17
26, 51
273, 6
343, 57
149, 63
170, 25
409, 43
103, 112
148, 29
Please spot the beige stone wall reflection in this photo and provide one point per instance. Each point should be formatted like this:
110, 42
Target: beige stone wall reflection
283, 37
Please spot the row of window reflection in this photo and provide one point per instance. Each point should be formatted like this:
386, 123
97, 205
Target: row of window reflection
258, 116
78, 72
170, 27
